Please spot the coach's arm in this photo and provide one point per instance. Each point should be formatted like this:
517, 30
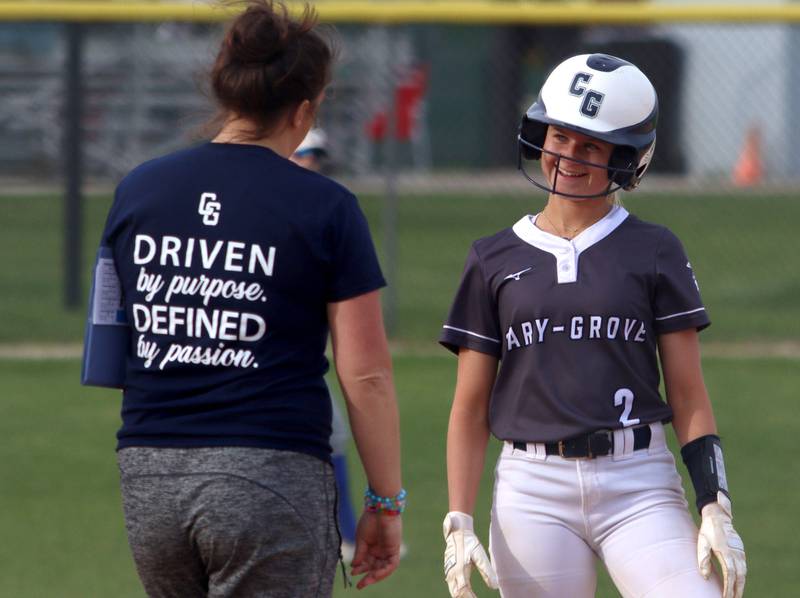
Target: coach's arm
364, 367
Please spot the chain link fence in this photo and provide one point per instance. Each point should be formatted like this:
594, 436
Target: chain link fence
452, 95
421, 113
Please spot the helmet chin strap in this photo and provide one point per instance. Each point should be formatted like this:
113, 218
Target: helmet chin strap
608, 191
555, 174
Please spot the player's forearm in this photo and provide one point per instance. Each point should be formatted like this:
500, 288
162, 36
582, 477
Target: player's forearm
692, 417
374, 422
467, 438
468, 431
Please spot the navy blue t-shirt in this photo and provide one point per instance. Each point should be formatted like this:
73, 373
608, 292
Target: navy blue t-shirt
227, 256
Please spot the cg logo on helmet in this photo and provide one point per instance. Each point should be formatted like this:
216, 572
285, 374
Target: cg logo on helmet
590, 106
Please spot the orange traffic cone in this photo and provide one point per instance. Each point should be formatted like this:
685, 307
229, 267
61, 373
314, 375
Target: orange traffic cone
747, 171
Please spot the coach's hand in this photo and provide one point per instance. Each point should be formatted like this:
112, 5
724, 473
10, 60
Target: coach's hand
463, 549
378, 539
718, 536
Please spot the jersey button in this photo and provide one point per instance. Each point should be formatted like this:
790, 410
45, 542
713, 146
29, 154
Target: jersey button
565, 267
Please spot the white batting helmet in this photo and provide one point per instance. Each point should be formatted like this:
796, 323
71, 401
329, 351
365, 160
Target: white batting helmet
603, 97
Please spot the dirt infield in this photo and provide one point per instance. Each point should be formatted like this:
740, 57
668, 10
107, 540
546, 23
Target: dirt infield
737, 350
729, 350
40, 352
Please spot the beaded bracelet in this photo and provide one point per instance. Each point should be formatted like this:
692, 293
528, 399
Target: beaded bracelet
388, 505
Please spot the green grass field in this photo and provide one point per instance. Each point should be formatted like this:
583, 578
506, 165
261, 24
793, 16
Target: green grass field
62, 523
740, 248
61, 517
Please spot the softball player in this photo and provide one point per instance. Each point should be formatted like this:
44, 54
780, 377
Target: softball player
312, 150
577, 304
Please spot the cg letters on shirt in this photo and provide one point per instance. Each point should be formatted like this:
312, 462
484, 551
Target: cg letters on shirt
154, 316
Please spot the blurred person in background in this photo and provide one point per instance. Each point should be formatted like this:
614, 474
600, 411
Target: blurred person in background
312, 154
559, 325
312, 151
233, 264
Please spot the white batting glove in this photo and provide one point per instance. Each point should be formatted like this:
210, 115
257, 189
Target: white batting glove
718, 536
463, 549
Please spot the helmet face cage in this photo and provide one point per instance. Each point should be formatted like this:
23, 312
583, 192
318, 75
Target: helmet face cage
602, 97
615, 174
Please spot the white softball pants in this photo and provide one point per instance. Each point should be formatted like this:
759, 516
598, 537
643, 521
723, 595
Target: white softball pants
551, 517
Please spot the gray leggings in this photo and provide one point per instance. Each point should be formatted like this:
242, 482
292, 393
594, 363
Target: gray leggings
230, 521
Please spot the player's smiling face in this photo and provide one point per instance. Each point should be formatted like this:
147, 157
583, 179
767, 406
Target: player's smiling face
568, 175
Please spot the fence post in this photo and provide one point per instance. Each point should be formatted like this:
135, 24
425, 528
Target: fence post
390, 200
73, 165
793, 88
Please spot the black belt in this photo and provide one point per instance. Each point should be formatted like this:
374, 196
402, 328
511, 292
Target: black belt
588, 446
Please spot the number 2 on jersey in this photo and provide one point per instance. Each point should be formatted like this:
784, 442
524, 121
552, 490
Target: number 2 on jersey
625, 395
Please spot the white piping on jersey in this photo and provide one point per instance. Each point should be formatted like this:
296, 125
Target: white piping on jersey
494, 340
566, 251
681, 313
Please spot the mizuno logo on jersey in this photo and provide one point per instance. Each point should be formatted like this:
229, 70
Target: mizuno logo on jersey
576, 328
516, 275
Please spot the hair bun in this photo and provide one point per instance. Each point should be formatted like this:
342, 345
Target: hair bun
261, 37
269, 61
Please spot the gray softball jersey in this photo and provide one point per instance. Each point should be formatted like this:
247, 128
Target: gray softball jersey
574, 323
